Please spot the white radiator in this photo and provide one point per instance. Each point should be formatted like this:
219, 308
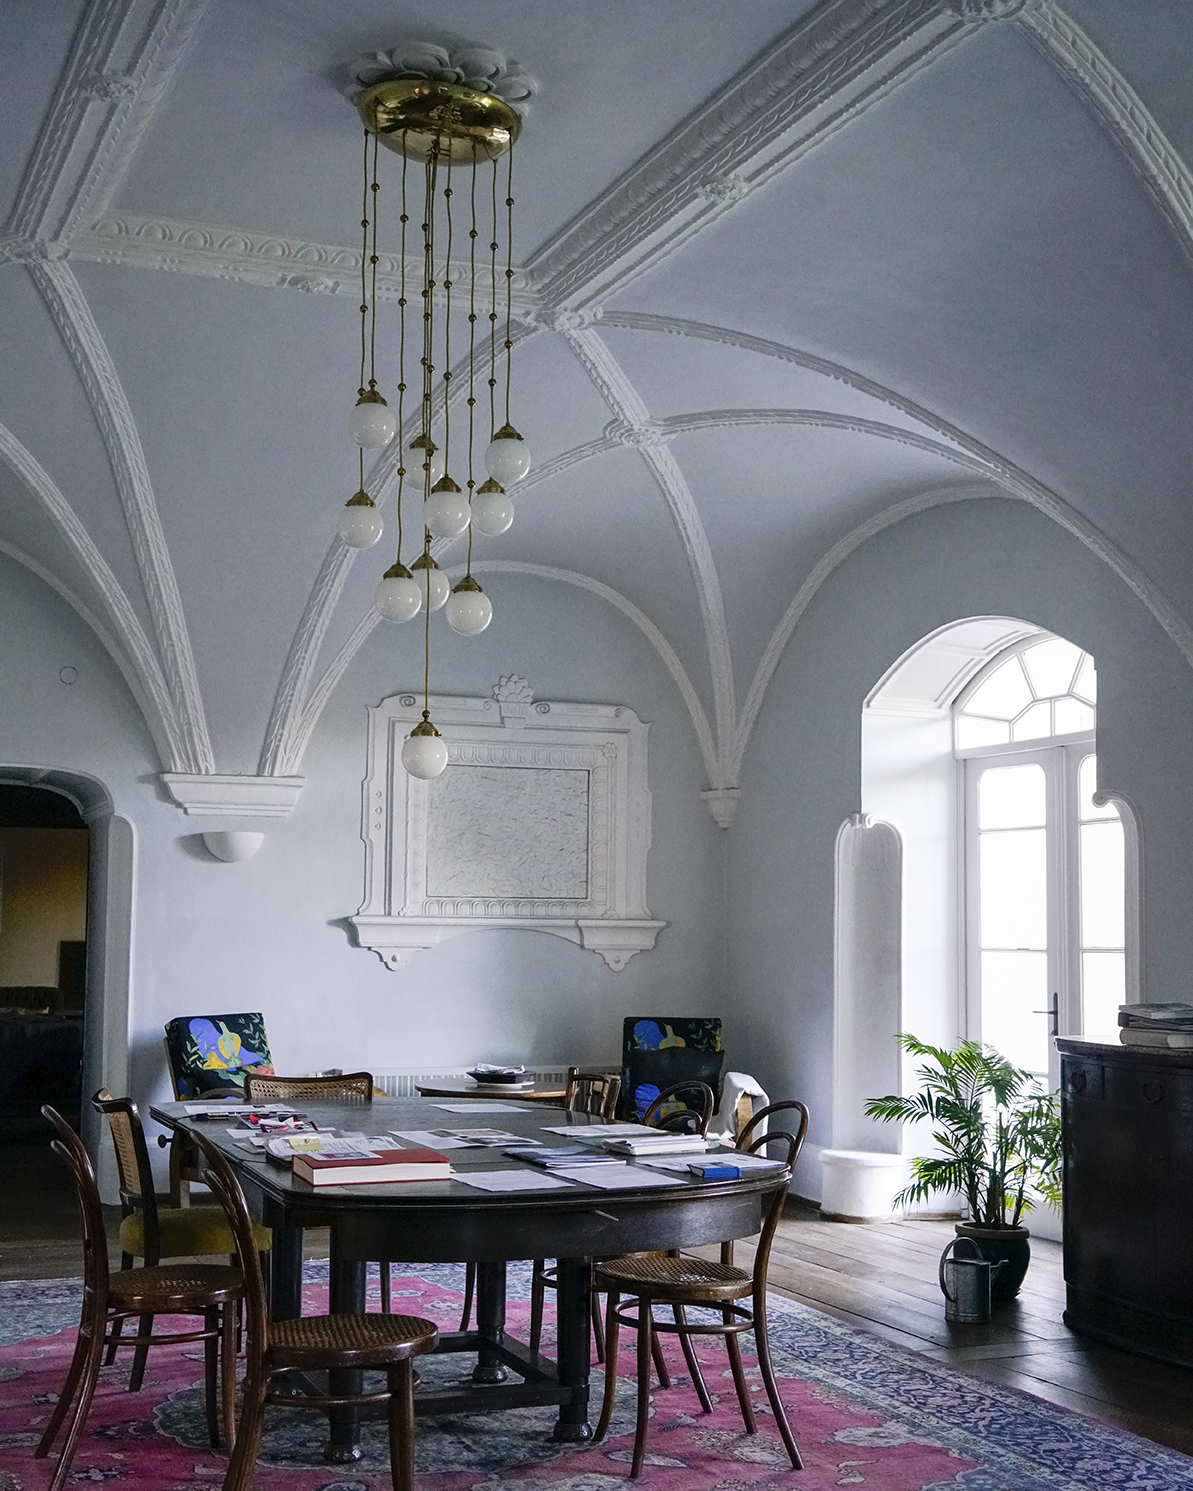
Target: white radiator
403, 1082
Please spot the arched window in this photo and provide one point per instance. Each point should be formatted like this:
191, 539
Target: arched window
1044, 859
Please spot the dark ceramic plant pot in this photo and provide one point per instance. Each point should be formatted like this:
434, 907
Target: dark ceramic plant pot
1007, 1245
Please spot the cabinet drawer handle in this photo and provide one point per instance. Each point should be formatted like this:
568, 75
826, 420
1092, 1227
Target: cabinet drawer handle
1152, 1091
1077, 1082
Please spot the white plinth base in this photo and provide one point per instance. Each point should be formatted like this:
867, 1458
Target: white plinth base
859, 1185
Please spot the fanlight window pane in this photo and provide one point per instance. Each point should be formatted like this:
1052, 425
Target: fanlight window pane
1012, 797
1051, 666
1033, 723
1103, 989
1014, 987
1004, 694
1087, 785
974, 732
1087, 680
1013, 871
1103, 893
1072, 716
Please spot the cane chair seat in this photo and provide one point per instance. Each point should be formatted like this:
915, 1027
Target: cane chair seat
369, 1340
187, 1232
173, 1287
686, 1280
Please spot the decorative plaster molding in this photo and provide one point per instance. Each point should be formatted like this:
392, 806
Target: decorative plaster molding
722, 804
77, 326
984, 10
479, 67
134, 646
830, 66
576, 783
255, 258
632, 415
124, 55
1119, 109
206, 795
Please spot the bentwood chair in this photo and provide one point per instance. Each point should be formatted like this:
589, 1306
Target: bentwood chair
680, 1281
692, 1116
212, 1290
314, 1343
348, 1087
149, 1230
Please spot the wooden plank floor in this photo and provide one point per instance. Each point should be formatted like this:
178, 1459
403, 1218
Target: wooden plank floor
883, 1279
880, 1279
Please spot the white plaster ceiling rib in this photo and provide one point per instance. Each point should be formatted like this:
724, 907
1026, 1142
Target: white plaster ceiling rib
131, 648
257, 258
77, 326
830, 66
122, 59
637, 429
1120, 111
1012, 478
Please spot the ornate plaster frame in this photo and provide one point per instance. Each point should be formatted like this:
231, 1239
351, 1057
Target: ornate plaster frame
399, 917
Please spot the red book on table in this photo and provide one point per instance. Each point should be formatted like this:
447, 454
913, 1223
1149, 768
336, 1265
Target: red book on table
384, 1166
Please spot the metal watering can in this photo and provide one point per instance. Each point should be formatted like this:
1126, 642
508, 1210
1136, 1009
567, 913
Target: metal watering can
965, 1280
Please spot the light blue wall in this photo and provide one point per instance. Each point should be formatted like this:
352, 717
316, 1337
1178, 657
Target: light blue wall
270, 933
802, 771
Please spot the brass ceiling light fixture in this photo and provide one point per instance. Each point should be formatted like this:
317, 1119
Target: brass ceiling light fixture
451, 117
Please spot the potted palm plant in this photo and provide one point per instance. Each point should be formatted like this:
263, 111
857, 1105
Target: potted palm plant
998, 1131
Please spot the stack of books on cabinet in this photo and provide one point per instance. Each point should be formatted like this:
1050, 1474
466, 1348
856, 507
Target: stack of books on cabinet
1168, 1026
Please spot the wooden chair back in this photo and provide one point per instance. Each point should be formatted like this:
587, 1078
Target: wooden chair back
350, 1087
595, 1093
134, 1172
694, 1118
71, 1151
791, 1146
764, 1115
221, 1178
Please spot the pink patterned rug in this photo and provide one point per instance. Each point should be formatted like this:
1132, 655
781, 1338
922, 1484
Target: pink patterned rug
865, 1414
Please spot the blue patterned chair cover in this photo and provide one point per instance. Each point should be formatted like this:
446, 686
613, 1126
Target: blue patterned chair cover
661, 1050
213, 1052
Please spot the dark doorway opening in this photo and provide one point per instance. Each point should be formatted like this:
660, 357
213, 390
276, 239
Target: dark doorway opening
44, 851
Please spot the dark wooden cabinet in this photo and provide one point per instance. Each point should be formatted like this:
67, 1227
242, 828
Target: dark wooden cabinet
1128, 1178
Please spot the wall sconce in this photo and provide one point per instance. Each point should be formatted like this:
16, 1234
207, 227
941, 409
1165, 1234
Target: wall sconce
233, 845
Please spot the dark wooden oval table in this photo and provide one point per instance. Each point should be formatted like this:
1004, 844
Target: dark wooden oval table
446, 1221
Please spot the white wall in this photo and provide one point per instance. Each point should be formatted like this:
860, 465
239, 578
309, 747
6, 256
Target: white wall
802, 772
271, 933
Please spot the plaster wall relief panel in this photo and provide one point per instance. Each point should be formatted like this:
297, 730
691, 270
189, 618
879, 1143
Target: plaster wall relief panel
541, 822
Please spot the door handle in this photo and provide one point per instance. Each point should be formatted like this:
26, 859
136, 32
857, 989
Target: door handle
1054, 1011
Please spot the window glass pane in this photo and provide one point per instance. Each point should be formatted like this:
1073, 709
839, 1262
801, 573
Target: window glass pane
1004, 694
1103, 989
1014, 986
1086, 786
1013, 887
1051, 666
1033, 723
1071, 715
971, 732
1011, 797
1102, 885
1087, 680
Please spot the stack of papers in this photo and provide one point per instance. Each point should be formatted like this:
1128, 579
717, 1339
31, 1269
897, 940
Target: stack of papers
509, 1180
566, 1156
658, 1143
617, 1176
598, 1130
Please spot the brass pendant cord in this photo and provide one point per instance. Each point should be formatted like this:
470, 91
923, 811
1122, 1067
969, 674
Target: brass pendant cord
403, 220
447, 309
431, 177
471, 347
364, 261
509, 274
374, 189
493, 313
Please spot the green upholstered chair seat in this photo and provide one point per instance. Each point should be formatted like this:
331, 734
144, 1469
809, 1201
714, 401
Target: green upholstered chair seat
188, 1232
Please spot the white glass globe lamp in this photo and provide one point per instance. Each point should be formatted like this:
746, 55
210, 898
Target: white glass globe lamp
424, 753
507, 456
372, 422
492, 509
360, 523
431, 581
446, 510
399, 596
469, 609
